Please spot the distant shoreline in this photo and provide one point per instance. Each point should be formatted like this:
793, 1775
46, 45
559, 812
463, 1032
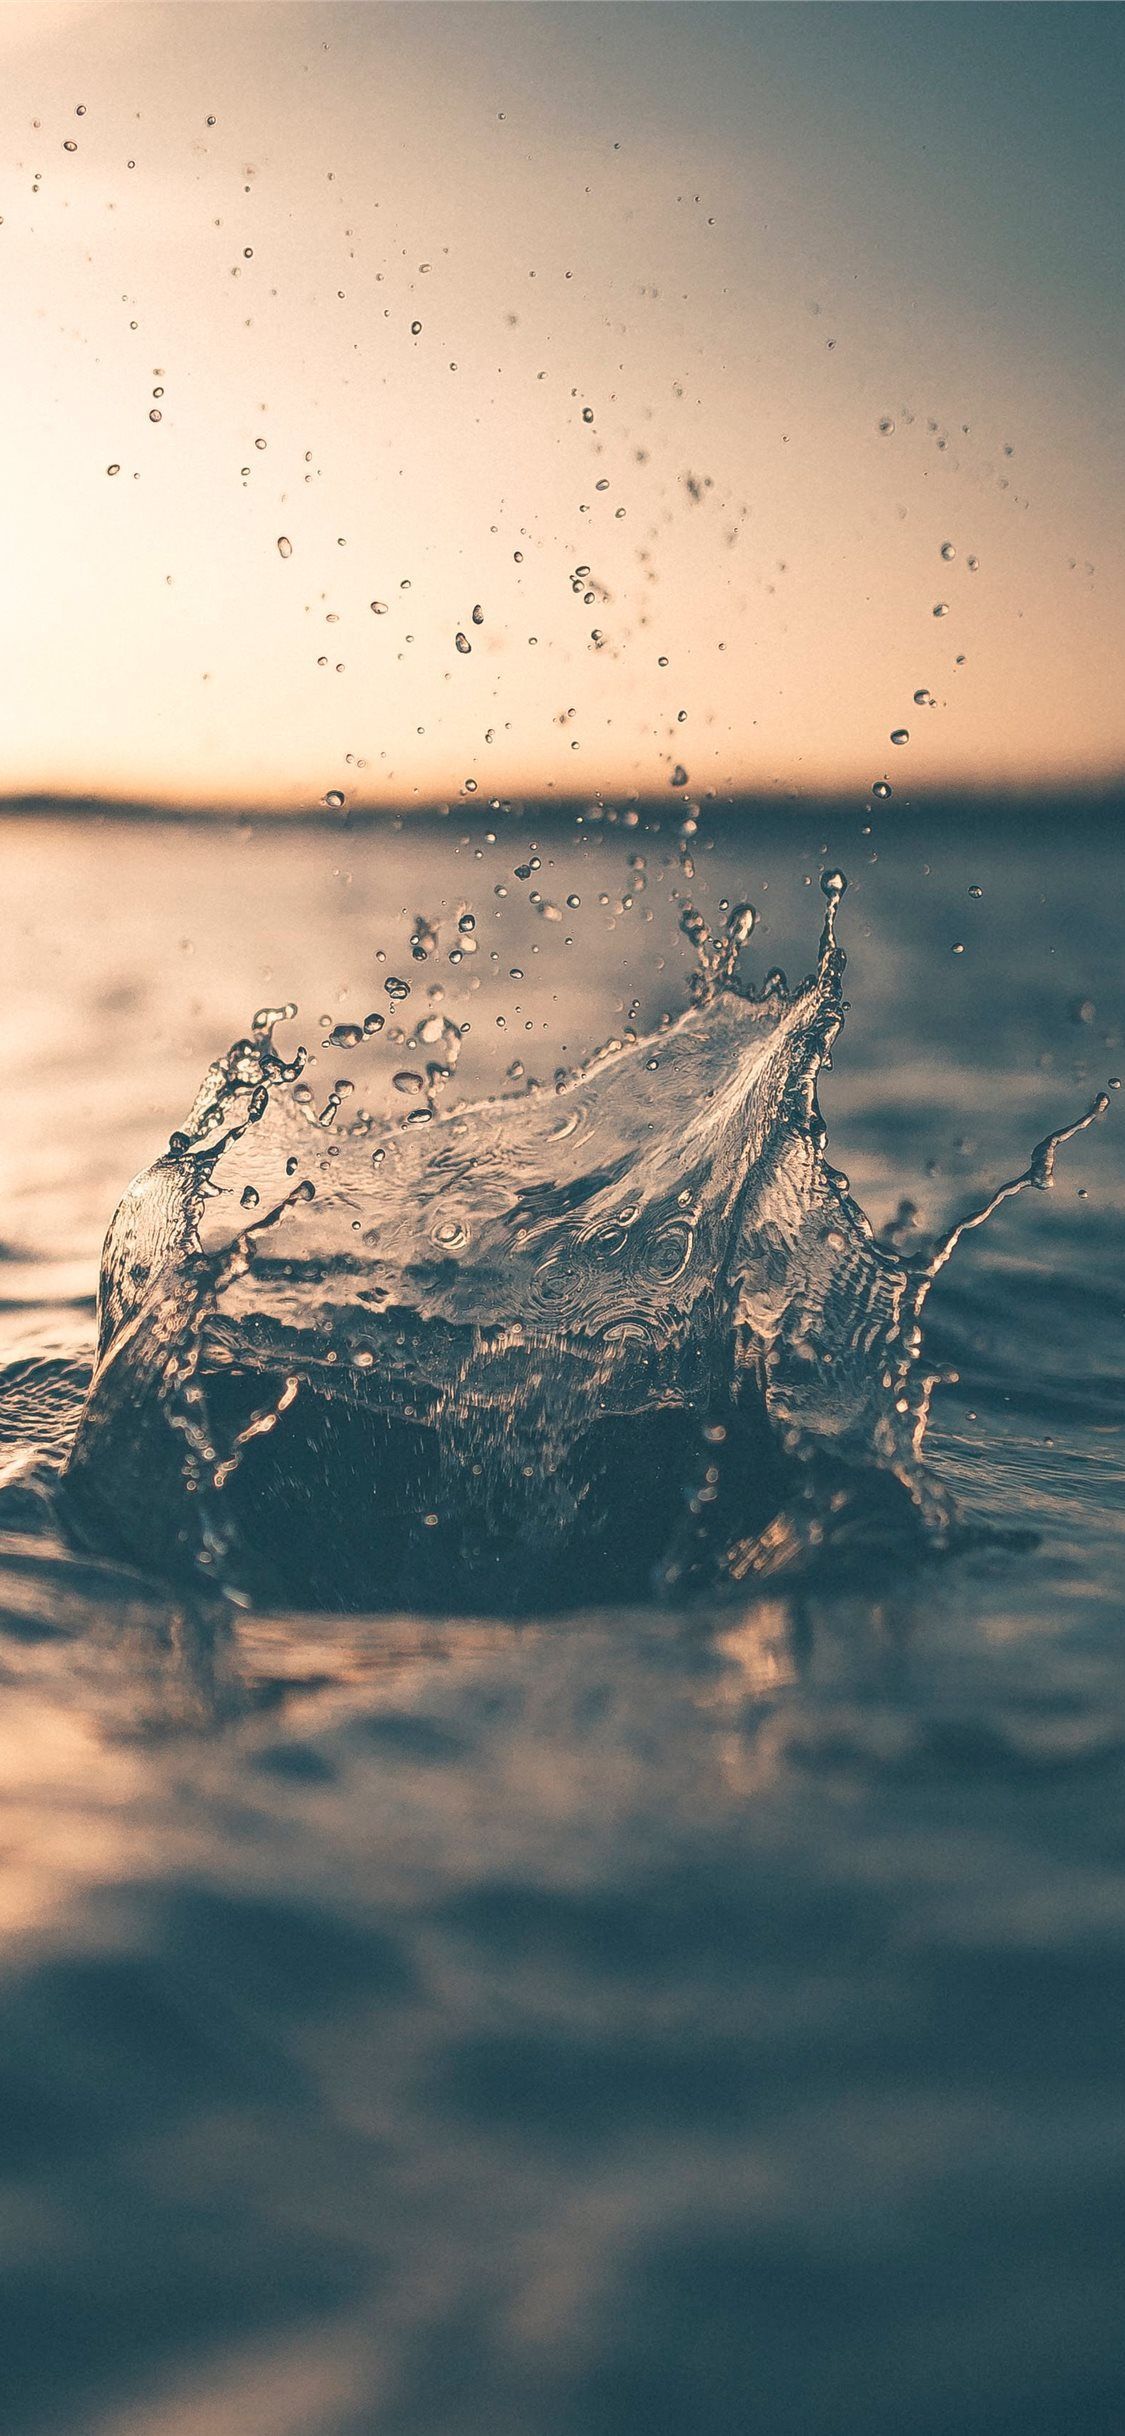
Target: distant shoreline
1104, 802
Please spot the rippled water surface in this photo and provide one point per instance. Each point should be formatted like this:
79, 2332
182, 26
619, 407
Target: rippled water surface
684, 2018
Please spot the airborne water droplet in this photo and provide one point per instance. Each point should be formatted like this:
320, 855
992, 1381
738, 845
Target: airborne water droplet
882, 788
334, 799
462, 641
900, 735
941, 608
284, 546
948, 551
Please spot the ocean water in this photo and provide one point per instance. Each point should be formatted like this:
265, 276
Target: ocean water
685, 2014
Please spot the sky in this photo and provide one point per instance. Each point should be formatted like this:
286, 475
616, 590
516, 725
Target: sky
418, 401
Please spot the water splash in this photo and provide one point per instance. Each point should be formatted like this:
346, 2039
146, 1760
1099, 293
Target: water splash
630, 1333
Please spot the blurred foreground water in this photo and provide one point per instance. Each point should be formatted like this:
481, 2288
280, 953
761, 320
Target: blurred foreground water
638, 2019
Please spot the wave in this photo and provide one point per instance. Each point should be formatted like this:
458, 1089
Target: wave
628, 1335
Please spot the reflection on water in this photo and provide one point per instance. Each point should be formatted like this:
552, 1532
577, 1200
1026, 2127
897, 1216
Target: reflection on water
680, 2018
534, 2026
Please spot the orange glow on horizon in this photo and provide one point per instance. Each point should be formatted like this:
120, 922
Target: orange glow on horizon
500, 327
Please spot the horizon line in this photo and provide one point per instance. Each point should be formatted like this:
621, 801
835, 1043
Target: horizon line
1090, 795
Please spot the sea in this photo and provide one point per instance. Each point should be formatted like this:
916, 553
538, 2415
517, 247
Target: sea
683, 2012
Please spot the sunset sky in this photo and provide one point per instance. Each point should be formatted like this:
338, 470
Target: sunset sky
775, 320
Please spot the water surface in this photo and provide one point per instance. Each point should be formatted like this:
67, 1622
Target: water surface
652, 2017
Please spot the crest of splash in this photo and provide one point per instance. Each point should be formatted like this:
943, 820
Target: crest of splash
629, 1332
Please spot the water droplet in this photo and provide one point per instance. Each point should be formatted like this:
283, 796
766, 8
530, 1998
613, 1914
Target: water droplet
249, 1197
379, 608
70, 145
976, 892
373, 1023
948, 551
415, 329
462, 641
832, 884
923, 695
958, 947
900, 735
587, 414
679, 777
113, 469
395, 988
334, 799
478, 615
886, 424
345, 1036
740, 923
883, 789
284, 546
941, 608
973, 565
154, 414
